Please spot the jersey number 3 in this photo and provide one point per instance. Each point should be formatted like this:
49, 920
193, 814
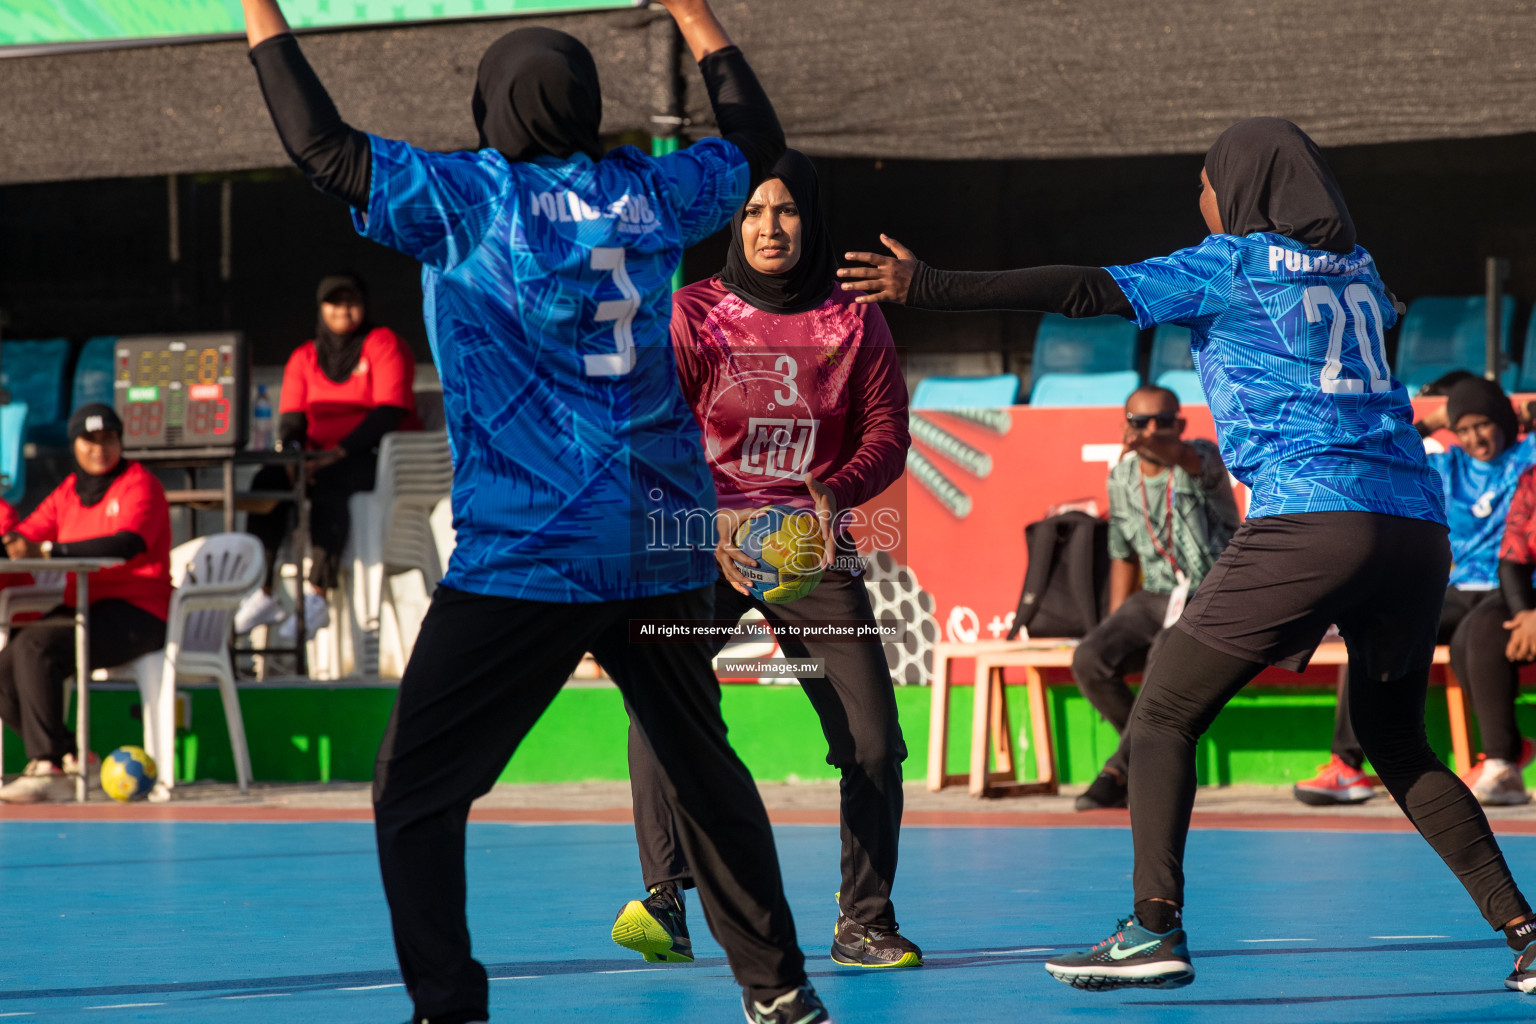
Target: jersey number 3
1364, 316
619, 312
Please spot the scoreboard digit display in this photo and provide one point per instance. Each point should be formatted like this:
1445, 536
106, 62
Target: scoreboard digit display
181, 390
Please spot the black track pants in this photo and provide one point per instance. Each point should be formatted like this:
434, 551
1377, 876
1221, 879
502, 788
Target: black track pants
482, 672
857, 706
1472, 622
38, 659
1270, 598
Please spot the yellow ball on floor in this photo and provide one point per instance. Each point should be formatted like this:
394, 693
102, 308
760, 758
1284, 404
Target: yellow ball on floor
128, 773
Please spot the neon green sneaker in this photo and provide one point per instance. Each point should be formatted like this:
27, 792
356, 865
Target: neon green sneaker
655, 927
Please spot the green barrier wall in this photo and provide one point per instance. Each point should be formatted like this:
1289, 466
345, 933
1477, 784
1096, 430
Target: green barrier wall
1269, 736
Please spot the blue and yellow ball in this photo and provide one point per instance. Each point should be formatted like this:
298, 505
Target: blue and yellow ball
787, 545
128, 773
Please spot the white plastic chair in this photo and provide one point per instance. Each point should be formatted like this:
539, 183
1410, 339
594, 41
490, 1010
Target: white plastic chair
44, 593
392, 533
212, 575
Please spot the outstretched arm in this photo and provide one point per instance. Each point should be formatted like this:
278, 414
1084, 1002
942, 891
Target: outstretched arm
335, 157
742, 111
1072, 291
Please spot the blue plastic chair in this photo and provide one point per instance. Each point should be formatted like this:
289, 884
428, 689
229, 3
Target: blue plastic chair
13, 430
1184, 383
93, 373
1527, 380
966, 392
1170, 352
1444, 333
1098, 344
1066, 390
33, 372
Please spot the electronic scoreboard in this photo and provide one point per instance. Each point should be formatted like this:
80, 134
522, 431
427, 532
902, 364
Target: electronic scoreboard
181, 390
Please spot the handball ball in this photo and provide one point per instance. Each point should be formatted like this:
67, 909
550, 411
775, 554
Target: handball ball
788, 548
128, 773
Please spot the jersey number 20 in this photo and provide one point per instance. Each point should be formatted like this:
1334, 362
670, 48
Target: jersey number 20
1363, 316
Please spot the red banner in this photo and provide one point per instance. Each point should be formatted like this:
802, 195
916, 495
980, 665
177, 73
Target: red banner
972, 487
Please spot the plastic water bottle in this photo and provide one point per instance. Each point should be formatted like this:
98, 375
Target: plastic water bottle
261, 421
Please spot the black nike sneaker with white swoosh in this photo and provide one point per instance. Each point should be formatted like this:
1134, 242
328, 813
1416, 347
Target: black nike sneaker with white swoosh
1131, 956
797, 1006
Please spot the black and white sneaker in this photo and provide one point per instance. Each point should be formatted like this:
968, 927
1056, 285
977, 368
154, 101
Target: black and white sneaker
655, 927
797, 1006
1132, 956
1523, 977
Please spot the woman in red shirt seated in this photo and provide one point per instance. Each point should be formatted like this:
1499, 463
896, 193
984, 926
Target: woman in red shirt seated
342, 392
107, 508
802, 402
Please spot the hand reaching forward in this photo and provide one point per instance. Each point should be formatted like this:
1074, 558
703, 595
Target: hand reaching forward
885, 279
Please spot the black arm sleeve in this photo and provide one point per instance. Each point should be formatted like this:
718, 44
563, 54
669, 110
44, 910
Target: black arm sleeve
742, 110
1073, 291
124, 544
365, 437
335, 157
292, 430
1515, 584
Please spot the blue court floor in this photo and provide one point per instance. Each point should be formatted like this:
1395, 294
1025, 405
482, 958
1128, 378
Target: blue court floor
194, 922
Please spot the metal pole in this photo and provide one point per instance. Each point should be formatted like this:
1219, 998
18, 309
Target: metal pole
667, 123
82, 682
1496, 270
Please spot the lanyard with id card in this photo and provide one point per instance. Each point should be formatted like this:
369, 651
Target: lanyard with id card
1180, 594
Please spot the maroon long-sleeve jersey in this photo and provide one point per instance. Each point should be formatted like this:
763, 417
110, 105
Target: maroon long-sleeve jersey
818, 392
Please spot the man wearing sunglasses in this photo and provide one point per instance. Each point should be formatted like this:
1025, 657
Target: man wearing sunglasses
1171, 512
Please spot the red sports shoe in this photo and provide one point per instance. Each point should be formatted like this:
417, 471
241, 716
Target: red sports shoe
1527, 755
1336, 783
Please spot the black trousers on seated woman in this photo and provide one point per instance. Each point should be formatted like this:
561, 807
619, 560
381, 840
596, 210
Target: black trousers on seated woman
330, 521
38, 659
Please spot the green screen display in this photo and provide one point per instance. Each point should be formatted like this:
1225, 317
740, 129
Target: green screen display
75, 22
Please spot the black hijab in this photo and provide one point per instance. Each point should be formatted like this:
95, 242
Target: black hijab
537, 94
87, 420
1269, 176
1477, 395
338, 353
811, 280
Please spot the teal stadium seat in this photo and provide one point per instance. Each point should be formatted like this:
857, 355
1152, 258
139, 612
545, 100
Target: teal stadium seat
1063, 390
93, 373
1170, 351
1528, 358
13, 428
33, 372
1184, 383
1443, 333
966, 392
1096, 344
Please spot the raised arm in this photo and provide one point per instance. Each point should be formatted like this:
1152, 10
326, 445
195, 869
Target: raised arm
742, 110
1072, 291
335, 157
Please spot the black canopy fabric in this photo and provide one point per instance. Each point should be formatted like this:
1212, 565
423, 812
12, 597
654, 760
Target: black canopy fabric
925, 79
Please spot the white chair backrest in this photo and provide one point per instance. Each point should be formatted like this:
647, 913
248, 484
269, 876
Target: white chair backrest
221, 561
48, 579
414, 463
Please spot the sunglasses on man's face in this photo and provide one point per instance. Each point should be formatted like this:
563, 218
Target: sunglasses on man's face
1164, 421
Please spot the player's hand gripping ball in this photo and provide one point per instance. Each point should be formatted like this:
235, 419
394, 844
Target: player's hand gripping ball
128, 773
787, 545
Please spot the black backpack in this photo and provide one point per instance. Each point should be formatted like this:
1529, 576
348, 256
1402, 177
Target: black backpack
1066, 585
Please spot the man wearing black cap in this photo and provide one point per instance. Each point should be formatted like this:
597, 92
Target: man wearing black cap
1480, 478
107, 508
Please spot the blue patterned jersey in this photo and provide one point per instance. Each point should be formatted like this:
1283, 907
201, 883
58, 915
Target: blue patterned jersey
1477, 496
579, 472
1289, 346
